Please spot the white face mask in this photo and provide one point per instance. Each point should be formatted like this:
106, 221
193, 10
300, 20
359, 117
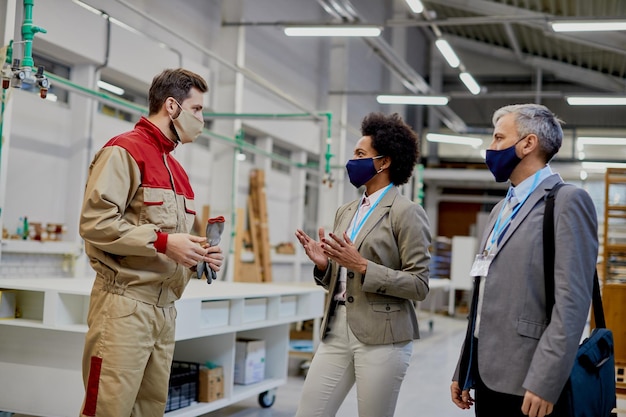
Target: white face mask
187, 126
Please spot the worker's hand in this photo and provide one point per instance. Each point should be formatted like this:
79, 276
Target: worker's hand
313, 249
535, 406
343, 251
214, 257
185, 249
462, 399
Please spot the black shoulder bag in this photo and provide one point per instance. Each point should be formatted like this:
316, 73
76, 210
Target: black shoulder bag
590, 389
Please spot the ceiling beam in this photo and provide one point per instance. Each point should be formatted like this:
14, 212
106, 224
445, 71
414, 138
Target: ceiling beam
609, 41
562, 70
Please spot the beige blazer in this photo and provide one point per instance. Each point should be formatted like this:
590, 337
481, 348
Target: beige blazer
395, 241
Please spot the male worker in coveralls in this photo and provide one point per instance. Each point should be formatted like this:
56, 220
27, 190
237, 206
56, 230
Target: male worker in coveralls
136, 217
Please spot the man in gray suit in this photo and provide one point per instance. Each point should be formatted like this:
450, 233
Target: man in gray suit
515, 362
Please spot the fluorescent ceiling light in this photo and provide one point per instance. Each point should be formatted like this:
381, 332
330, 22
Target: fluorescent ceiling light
447, 52
597, 101
470, 82
415, 100
415, 5
456, 140
602, 165
111, 88
588, 25
333, 30
589, 140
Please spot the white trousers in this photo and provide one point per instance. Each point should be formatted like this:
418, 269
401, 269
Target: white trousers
341, 360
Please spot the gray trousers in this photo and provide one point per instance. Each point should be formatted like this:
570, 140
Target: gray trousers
340, 361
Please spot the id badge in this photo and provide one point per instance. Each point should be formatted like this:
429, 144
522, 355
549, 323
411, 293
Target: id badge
480, 267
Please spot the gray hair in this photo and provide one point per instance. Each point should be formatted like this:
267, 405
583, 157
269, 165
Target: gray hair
537, 119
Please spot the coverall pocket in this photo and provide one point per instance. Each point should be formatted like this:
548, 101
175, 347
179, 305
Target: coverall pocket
120, 306
159, 208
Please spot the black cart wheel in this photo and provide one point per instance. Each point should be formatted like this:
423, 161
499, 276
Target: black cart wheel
267, 398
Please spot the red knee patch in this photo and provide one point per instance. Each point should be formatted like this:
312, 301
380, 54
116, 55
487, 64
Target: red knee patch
91, 397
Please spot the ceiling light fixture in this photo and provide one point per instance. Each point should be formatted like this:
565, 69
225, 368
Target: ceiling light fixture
448, 53
366, 31
416, 6
456, 140
590, 140
601, 166
588, 25
470, 82
596, 101
111, 88
413, 99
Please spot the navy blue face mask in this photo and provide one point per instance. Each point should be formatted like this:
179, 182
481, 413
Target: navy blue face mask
502, 163
361, 170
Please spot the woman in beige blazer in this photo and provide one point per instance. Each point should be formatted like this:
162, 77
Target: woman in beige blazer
373, 264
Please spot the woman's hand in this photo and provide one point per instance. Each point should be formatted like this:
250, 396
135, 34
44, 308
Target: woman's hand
344, 252
313, 249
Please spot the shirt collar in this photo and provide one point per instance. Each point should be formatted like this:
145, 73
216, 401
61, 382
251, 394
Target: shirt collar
372, 197
524, 188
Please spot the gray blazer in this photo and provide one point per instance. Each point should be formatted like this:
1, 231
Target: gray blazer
516, 350
395, 240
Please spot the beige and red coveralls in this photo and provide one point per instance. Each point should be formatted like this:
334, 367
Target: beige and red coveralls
136, 194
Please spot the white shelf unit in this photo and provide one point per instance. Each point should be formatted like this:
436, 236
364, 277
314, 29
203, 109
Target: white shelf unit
41, 352
51, 247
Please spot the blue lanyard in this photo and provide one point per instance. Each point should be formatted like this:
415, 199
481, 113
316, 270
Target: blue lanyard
501, 224
358, 225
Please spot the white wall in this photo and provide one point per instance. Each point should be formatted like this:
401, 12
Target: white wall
43, 143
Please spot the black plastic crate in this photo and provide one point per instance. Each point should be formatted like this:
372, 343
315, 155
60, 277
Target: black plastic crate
183, 388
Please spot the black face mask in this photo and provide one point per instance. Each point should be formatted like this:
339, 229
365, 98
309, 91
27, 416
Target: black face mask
361, 170
502, 163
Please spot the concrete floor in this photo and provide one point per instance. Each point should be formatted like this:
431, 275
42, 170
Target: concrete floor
425, 391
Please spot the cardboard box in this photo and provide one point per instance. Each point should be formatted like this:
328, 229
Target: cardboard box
211, 384
249, 361
7, 304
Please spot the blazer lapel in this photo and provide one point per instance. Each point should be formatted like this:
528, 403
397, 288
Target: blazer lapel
528, 206
381, 209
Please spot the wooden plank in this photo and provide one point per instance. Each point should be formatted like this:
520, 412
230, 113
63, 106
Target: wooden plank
614, 303
243, 271
266, 262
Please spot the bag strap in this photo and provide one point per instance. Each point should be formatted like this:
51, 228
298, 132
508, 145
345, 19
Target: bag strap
548, 263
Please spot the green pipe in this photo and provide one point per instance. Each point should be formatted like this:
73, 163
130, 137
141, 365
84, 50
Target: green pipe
107, 97
28, 33
9, 56
135, 108
4, 96
328, 116
8, 59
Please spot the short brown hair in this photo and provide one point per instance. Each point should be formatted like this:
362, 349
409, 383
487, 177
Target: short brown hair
173, 83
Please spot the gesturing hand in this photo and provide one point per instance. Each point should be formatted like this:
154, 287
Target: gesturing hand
344, 252
313, 249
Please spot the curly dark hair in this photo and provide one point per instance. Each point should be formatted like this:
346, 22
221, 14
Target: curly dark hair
392, 137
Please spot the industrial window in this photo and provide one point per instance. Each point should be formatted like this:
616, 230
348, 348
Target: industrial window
249, 155
277, 164
124, 92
